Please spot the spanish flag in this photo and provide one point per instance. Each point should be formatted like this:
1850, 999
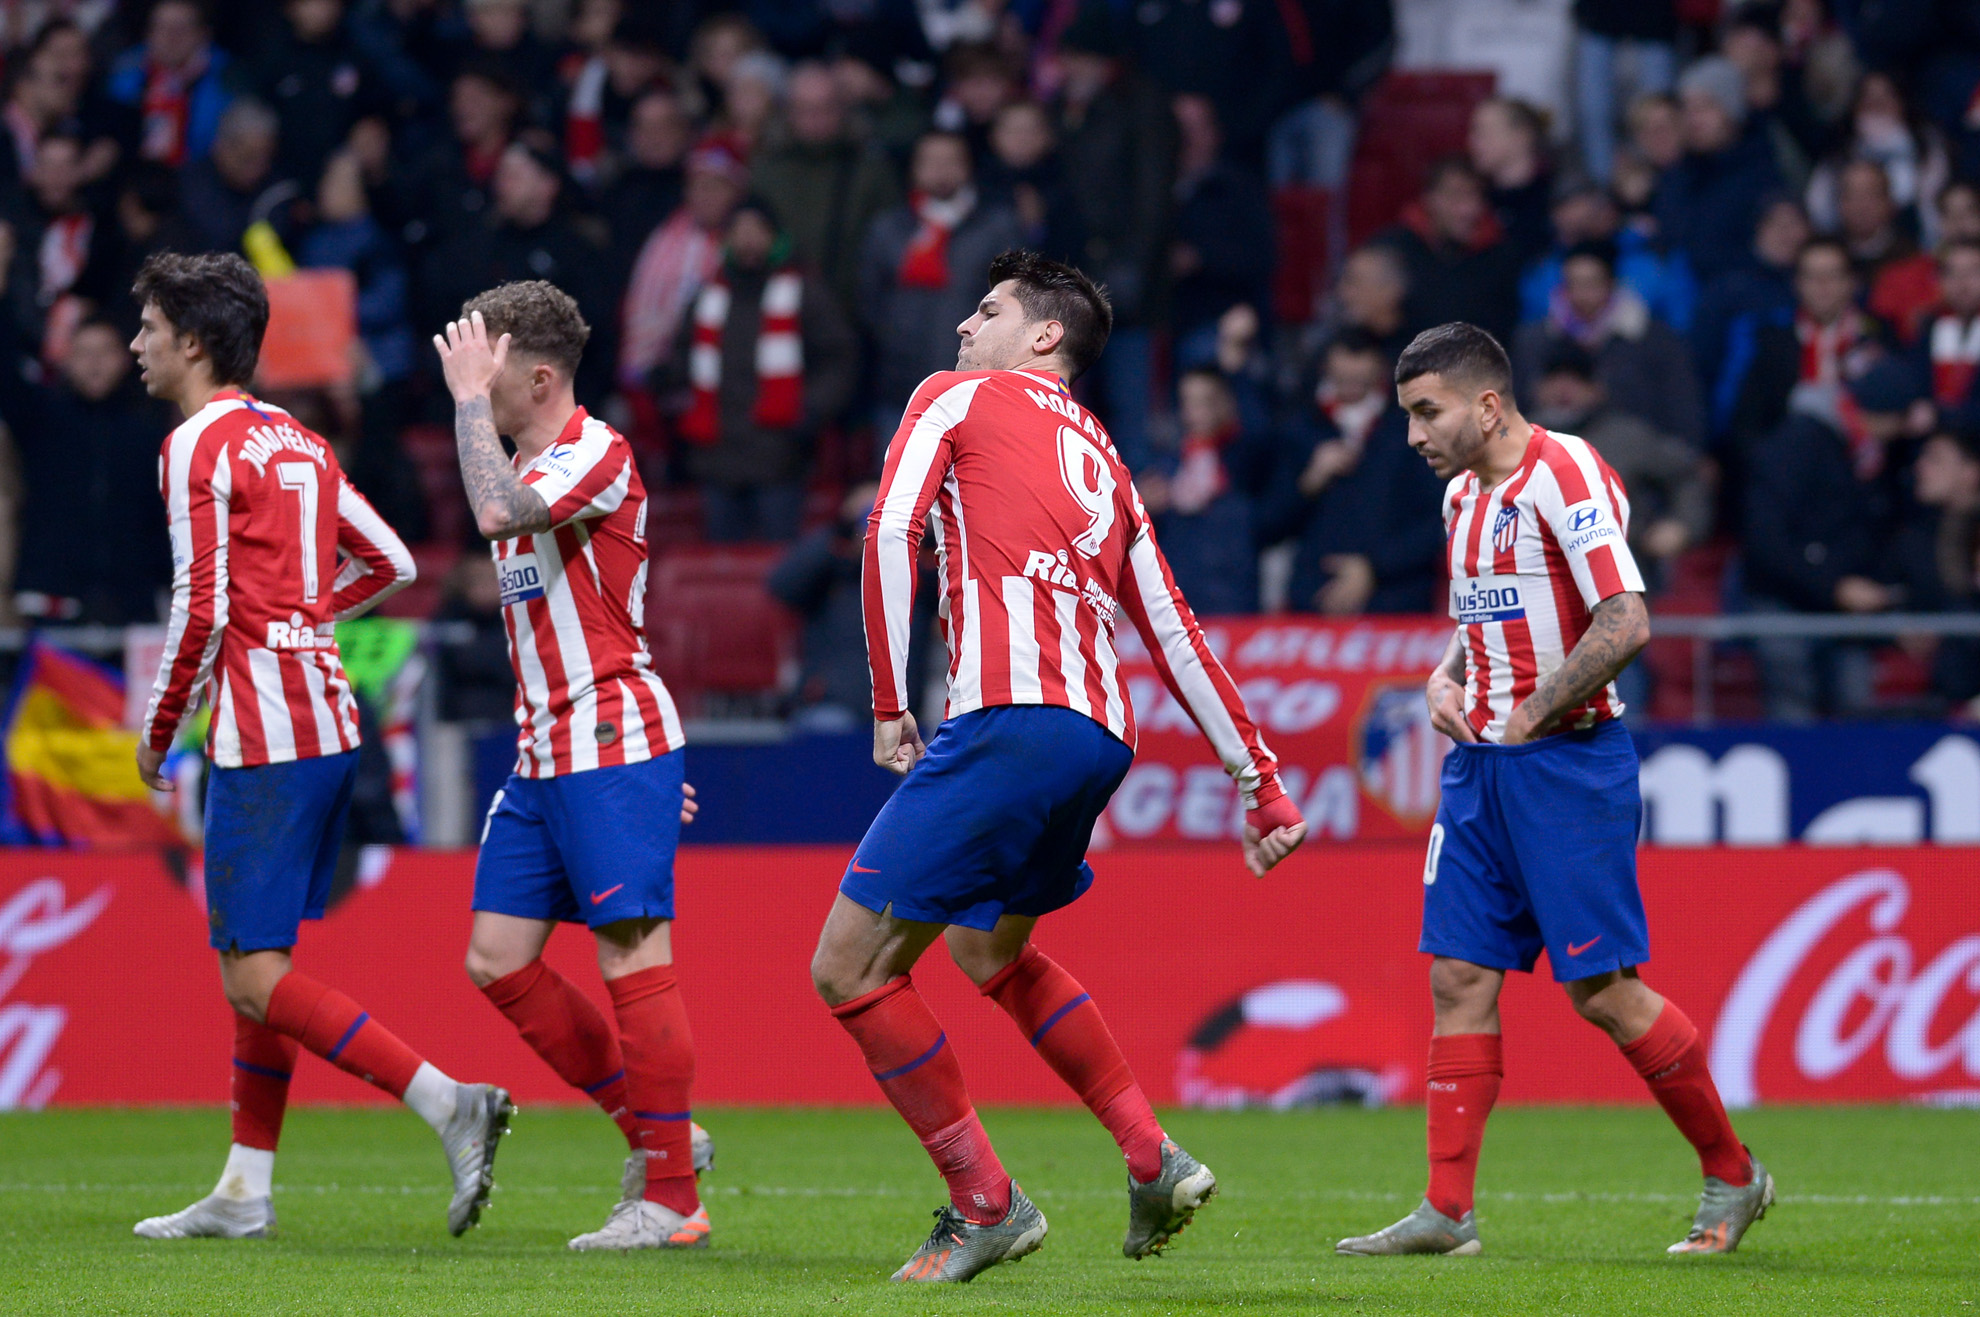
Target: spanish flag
71, 767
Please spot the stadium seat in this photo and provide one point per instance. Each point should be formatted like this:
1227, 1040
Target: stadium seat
1301, 217
715, 630
1408, 120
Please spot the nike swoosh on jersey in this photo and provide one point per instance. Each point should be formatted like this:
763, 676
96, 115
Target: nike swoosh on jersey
1574, 950
860, 868
598, 898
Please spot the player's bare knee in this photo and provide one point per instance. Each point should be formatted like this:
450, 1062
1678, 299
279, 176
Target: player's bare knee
1457, 985
484, 966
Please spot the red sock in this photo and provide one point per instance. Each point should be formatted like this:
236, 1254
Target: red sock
659, 1052
569, 1033
910, 1056
1063, 1023
1672, 1062
337, 1029
1465, 1070
263, 1062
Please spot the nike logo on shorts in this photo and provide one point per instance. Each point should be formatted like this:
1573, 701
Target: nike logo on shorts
860, 868
598, 898
1573, 950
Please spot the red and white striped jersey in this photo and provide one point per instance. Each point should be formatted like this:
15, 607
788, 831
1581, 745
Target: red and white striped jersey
1529, 559
259, 509
1042, 541
574, 602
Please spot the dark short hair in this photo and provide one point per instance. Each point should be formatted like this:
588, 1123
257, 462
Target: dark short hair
1355, 340
1445, 166
1826, 242
1052, 290
218, 299
1568, 357
1951, 245
541, 320
1593, 249
1460, 353
1211, 373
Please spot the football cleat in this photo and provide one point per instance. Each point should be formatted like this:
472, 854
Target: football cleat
704, 1149
1159, 1209
481, 1118
636, 1223
1426, 1230
958, 1248
1727, 1211
213, 1217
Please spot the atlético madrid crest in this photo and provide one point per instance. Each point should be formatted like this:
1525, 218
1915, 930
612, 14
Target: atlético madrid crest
1400, 754
1505, 529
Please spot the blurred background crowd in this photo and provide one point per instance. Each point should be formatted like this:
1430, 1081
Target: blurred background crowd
1734, 245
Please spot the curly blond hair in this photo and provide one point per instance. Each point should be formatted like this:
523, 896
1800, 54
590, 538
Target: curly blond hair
541, 320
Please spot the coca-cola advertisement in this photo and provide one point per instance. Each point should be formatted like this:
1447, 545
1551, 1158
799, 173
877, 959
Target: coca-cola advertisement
1817, 974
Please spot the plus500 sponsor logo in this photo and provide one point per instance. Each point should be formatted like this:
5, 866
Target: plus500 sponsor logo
1878, 999
1488, 599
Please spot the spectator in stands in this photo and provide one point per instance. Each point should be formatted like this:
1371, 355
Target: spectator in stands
1656, 143
1708, 202
56, 242
650, 177
1936, 556
1827, 341
39, 102
921, 273
529, 234
1117, 145
309, 71
447, 192
1913, 158
1233, 51
1950, 343
627, 60
1204, 499
677, 258
1613, 37
719, 41
499, 32
1958, 209
1901, 279
176, 81
414, 47
476, 681
980, 79
1221, 251
62, 52
1817, 505
1338, 50
1644, 366
1372, 295
769, 359
1460, 265
1585, 211
1507, 145
143, 218
93, 542
1360, 506
346, 237
1670, 485
1733, 307
1025, 172
235, 184
1776, 110
752, 98
827, 183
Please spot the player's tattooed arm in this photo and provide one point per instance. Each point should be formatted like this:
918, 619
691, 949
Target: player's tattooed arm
504, 507
1618, 628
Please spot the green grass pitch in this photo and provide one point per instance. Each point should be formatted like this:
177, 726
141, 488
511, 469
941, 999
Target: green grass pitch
1880, 1213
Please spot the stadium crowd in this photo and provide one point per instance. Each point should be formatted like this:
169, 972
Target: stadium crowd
1748, 272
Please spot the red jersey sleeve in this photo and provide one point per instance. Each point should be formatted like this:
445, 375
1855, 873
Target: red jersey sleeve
918, 460
585, 477
377, 564
196, 480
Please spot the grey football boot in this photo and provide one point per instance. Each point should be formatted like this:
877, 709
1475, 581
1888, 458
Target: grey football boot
481, 1118
958, 1248
213, 1217
1426, 1230
1159, 1209
1727, 1211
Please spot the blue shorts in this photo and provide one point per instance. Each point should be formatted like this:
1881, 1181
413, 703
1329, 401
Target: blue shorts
994, 821
592, 847
272, 836
1535, 846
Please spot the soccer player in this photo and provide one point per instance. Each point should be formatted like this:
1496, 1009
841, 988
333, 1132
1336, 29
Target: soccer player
587, 825
1535, 840
1042, 543
259, 510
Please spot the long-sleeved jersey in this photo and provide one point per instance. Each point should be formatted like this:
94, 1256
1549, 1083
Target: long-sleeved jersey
1530, 559
259, 511
1042, 543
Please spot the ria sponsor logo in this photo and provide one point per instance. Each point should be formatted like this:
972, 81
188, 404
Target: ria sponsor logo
298, 634
1056, 570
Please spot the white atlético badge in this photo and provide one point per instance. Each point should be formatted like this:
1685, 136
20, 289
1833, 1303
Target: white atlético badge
521, 579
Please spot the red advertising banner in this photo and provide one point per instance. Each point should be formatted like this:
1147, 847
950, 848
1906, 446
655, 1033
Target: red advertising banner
1341, 705
1818, 975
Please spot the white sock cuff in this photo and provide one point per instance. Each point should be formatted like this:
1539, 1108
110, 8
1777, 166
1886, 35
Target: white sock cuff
431, 1095
249, 1173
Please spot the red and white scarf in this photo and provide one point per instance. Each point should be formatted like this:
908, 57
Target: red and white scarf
1200, 476
925, 263
779, 358
167, 107
1824, 347
1353, 419
1955, 348
584, 120
676, 260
